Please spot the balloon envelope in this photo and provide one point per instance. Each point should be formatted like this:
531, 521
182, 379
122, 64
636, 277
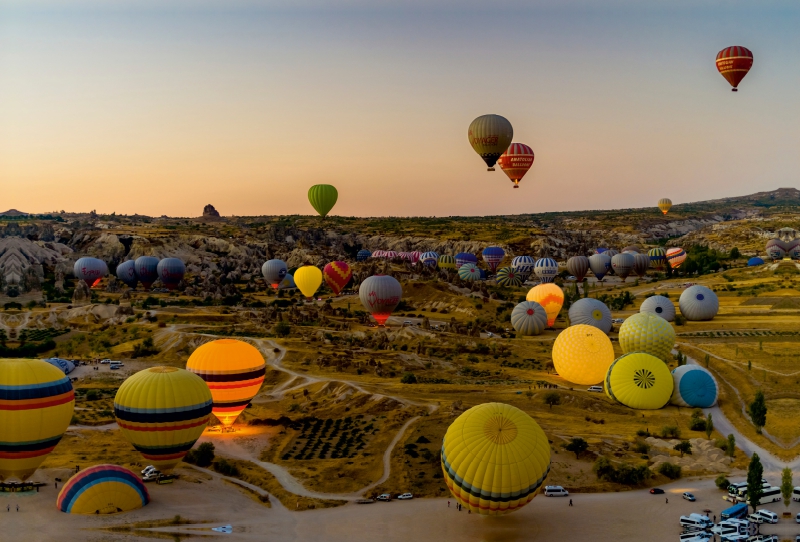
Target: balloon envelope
665, 204
775, 248
126, 272
733, 63
660, 306
102, 489
507, 277
493, 256
380, 294
752, 262
646, 332
90, 270
363, 255
429, 258
171, 272
641, 263
591, 312
490, 136
545, 269
578, 266
693, 387
469, 272
337, 275
698, 303
622, 264
529, 318
516, 162
657, 257
600, 264
308, 279
323, 197
675, 257
465, 257
146, 270
523, 265
640, 381
274, 271
582, 354
551, 297
447, 262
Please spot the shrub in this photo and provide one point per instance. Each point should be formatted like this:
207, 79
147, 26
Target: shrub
673, 472
670, 431
722, 482
226, 468
282, 329
202, 456
680, 319
408, 378
624, 474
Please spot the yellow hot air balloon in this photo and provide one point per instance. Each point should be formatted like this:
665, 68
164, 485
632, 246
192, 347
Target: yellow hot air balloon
639, 381
647, 332
490, 136
308, 278
582, 354
549, 296
494, 457
234, 371
36, 405
162, 411
664, 204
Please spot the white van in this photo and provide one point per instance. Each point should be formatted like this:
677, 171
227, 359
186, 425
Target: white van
695, 522
555, 491
595, 388
767, 516
796, 494
695, 536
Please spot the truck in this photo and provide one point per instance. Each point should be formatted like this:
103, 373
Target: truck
738, 511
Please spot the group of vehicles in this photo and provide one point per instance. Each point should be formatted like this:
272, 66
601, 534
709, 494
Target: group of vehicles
738, 493
152, 474
386, 497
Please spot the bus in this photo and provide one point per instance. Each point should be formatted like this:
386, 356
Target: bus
771, 494
741, 492
737, 511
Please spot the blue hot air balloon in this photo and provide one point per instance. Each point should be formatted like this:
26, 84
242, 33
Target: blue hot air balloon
429, 258
146, 270
753, 262
465, 257
493, 256
363, 254
171, 271
126, 272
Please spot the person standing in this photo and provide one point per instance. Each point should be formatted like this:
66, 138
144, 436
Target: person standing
570, 502
448, 504
667, 498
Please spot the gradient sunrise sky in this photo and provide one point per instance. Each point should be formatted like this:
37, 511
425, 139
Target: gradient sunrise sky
160, 107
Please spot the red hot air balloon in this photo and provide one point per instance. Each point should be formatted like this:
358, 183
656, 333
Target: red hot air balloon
337, 275
516, 162
380, 294
734, 63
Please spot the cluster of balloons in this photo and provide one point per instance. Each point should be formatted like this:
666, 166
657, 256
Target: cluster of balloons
777, 249
146, 269
490, 137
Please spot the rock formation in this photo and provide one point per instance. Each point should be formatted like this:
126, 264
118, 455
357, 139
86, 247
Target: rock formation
210, 212
82, 294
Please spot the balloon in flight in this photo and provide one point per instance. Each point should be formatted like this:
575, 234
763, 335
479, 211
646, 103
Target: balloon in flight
493, 256
274, 271
323, 197
665, 204
90, 270
733, 63
171, 272
516, 162
308, 279
380, 294
675, 257
490, 136
337, 275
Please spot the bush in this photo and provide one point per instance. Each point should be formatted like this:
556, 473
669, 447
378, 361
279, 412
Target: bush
670, 431
282, 329
92, 395
673, 472
225, 468
680, 319
722, 482
202, 456
624, 474
408, 378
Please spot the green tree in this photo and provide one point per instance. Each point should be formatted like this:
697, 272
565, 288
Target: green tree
408, 378
552, 398
755, 472
731, 445
735, 253
749, 365
758, 411
529, 394
707, 359
282, 329
709, 425
786, 486
577, 446
202, 456
684, 447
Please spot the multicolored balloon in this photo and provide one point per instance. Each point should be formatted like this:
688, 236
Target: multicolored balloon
469, 272
506, 276
516, 162
546, 269
665, 204
523, 265
102, 489
380, 295
274, 271
429, 259
90, 270
490, 136
323, 197
658, 256
146, 270
337, 275
675, 257
171, 272
493, 256
308, 279
733, 63
126, 272
776, 249
551, 297
578, 266
447, 262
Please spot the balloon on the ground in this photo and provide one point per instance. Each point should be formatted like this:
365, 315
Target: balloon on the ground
465, 257
146, 270
733, 63
529, 318
582, 354
36, 405
640, 381
493, 256
506, 276
600, 264
447, 262
90, 270
658, 256
665, 204
633, 249
274, 271
363, 255
490, 136
523, 265
698, 303
65, 365
675, 257
545, 269
600, 250
775, 248
337, 275
233, 370
380, 295
323, 197
162, 411
753, 262
102, 489
591, 312
126, 272
171, 272
429, 259
693, 387
287, 283
641, 263
646, 332
622, 264
578, 266
494, 458
469, 272
660, 306
308, 280
516, 162
551, 297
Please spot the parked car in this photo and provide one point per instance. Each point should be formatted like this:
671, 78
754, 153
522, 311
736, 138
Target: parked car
595, 388
385, 497
405, 496
115, 367
656, 491
555, 491
688, 496
407, 323
148, 468
105, 361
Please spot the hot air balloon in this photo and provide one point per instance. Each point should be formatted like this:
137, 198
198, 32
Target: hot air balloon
90, 270
591, 312
162, 411
126, 272
582, 354
639, 380
546, 269
308, 279
665, 204
657, 257
429, 258
600, 264
337, 275
660, 306
493, 256
447, 262
578, 266
490, 136
793, 249
363, 255
549, 296
641, 263
646, 332
523, 265
507, 277
622, 264
494, 458
414, 256
146, 270
734, 63
465, 257
274, 271
380, 294
600, 250
323, 197
694, 387
36, 405
390, 254
171, 271
516, 162
633, 249
469, 272
698, 303
287, 283
675, 257
752, 262
233, 370
102, 489
775, 248
529, 318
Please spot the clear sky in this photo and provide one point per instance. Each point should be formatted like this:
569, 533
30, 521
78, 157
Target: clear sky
159, 107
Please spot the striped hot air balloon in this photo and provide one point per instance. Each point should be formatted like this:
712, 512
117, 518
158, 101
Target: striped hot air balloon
146, 270
429, 258
641, 263
665, 204
447, 262
363, 255
414, 256
516, 162
162, 411
469, 272
506, 276
337, 275
675, 257
323, 197
622, 264
274, 271
36, 405
465, 257
390, 254
234, 371
775, 248
733, 63
578, 266
528, 318
551, 297
380, 294
102, 489
658, 256
523, 265
171, 272
126, 272
90, 270
490, 136
545, 269
493, 256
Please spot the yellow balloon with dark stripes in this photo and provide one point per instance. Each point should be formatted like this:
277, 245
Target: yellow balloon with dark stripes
495, 457
102, 489
36, 405
639, 380
162, 411
234, 371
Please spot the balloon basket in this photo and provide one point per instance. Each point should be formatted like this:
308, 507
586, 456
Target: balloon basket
734, 90
490, 169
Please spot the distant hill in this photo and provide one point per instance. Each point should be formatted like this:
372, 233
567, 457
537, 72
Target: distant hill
13, 212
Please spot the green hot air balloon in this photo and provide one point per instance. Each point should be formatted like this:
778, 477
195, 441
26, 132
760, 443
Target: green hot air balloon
323, 197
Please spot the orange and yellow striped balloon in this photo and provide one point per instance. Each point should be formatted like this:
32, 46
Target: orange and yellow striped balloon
234, 371
337, 275
551, 297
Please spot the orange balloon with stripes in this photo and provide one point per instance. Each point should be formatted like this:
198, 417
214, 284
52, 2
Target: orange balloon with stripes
337, 275
734, 63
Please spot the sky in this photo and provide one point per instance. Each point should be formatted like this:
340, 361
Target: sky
161, 107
